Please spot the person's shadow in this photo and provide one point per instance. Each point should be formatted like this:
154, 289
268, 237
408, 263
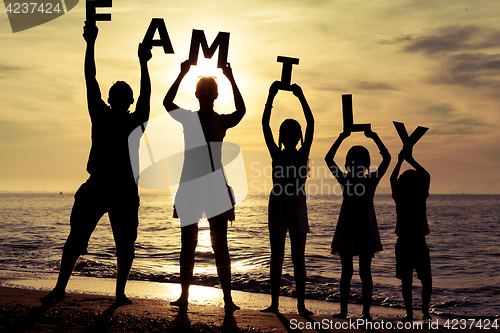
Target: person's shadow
229, 322
28, 320
181, 322
285, 322
103, 322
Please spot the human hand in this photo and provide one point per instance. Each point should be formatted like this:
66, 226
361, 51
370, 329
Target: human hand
185, 67
275, 87
90, 33
144, 52
406, 153
297, 90
344, 134
227, 71
371, 134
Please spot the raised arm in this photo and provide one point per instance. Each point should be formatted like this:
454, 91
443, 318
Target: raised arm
168, 101
386, 157
395, 172
329, 158
143, 102
426, 177
308, 139
93, 92
266, 119
235, 117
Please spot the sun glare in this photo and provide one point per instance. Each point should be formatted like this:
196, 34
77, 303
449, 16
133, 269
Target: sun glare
208, 67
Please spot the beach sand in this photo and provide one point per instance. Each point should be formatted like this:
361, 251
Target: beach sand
89, 309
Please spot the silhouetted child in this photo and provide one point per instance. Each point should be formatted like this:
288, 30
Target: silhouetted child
410, 191
287, 201
111, 187
357, 232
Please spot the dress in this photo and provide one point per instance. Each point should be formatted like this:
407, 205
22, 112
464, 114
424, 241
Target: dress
357, 230
203, 190
287, 201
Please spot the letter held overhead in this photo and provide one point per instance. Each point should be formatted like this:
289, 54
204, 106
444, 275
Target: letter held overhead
348, 117
198, 40
158, 24
413, 138
92, 16
286, 72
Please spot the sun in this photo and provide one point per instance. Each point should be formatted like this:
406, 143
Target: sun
208, 67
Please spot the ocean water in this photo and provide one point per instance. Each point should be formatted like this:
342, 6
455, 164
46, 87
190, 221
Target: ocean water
464, 244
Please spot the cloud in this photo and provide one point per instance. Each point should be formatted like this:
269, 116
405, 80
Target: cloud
11, 131
470, 69
397, 40
447, 40
7, 69
444, 109
469, 56
462, 126
446, 119
372, 85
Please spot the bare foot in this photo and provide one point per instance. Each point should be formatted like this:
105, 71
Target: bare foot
407, 319
366, 317
55, 296
122, 300
181, 302
230, 307
340, 315
426, 316
271, 309
305, 312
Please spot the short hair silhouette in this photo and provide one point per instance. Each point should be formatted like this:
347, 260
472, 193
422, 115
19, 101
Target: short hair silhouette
121, 89
357, 156
409, 180
207, 81
290, 131
121, 94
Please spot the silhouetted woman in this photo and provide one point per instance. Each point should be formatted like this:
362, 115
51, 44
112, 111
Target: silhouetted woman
287, 201
357, 232
203, 190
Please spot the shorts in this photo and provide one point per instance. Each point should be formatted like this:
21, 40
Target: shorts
93, 199
412, 253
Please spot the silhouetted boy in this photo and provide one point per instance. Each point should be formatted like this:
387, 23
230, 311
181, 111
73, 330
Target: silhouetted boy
111, 186
410, 191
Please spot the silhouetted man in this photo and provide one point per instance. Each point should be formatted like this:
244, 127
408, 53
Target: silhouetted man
111, 186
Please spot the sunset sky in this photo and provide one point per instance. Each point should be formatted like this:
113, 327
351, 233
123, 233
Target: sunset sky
432, 63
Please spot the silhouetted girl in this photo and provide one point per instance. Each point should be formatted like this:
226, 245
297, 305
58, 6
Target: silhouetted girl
287, 201
357, 233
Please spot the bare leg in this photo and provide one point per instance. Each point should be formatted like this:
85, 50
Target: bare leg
298, 245
189, 240
277, 241
122, 271
365, 274
85, 215
426, 298
68, 262
406, 284
218, 237
345, 284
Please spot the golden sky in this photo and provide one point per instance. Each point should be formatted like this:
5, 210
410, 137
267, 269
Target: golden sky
432, 63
